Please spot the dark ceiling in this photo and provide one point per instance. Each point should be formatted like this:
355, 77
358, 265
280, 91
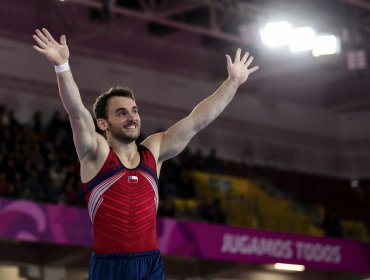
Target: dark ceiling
191, 38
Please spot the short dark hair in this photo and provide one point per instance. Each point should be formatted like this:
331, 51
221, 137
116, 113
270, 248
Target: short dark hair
100, 105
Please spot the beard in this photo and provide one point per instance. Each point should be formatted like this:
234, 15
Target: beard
118, 132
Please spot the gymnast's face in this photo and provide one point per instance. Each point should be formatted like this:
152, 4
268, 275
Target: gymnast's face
123, 121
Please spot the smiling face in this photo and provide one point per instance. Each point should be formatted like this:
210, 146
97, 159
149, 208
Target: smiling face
123, 119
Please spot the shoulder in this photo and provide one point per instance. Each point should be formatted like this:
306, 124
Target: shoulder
153, 144
92, 163
100, 152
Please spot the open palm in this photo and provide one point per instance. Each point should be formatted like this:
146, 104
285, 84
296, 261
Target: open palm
238, 70
56, 53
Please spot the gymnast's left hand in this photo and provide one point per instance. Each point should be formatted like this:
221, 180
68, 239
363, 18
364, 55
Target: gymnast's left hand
238, 70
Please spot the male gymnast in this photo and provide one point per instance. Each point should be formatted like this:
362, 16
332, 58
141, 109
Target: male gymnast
119, 177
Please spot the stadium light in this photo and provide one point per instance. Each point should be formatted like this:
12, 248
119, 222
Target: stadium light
302, 39
289, 267
325, 45
276, 34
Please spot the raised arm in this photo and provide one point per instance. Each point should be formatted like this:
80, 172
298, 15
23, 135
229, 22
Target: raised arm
82, 123
171, 142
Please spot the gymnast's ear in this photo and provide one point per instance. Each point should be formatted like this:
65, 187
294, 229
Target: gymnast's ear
102, 124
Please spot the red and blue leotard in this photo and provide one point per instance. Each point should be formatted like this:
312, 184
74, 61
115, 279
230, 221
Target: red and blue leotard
123, 204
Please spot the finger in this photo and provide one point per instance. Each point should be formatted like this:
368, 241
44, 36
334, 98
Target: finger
41, 36
41, 43
228, 60
249, 61
39, 49
237, 55
48, 35
63, 40
255, 68
244, 58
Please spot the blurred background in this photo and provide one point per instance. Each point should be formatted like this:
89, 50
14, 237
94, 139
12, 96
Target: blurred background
290, 154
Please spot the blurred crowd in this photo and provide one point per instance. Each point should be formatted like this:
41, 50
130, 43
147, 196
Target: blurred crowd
38, 162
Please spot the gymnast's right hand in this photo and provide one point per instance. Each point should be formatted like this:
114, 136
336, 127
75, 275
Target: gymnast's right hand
56, 53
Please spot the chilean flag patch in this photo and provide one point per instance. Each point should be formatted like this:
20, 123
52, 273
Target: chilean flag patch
133, 179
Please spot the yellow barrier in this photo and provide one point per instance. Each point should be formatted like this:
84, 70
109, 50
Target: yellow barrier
248, 205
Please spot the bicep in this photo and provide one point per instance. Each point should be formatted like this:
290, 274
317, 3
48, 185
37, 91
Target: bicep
170, 143
175, 139
84, 135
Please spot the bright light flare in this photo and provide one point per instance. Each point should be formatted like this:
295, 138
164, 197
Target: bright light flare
325, 45
302, 39
289, 267
276, 34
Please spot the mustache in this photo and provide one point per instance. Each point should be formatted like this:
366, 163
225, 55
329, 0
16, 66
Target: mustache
131, 123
